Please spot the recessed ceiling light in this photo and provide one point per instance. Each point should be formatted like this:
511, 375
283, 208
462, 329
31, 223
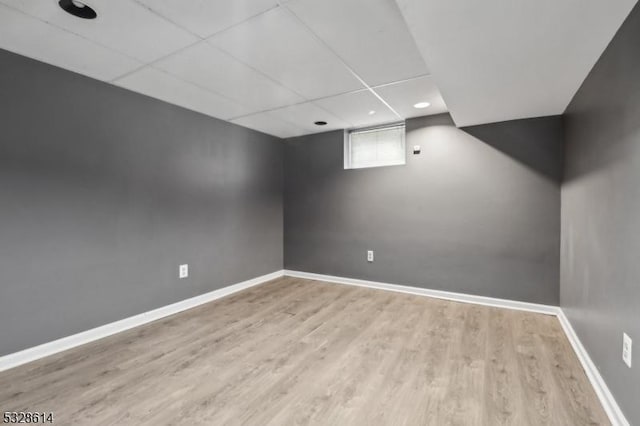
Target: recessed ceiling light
77, 8
421, 105
320, 123
372, 112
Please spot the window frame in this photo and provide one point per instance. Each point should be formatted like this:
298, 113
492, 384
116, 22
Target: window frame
347, 144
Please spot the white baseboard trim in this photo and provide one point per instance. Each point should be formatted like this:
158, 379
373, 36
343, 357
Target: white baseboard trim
438, 294
65, 343
607, 400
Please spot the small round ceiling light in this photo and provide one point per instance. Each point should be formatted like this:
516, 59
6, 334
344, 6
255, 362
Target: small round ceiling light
372, 112
320, 123
421, 105
78, 9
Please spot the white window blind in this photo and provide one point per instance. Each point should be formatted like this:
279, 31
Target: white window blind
382, 146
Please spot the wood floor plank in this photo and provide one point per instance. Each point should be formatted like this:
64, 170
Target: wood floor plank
295, 351
503, 396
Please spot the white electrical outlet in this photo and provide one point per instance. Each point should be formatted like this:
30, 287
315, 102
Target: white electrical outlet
369, 255
183, 271
626, 349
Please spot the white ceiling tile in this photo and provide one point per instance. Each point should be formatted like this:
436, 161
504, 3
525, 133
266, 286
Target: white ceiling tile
369, 35
160, 85
306, 114
209, 67
122, 25
31, 37
402, 96
268, 123
207, 17
276, 44
354, 108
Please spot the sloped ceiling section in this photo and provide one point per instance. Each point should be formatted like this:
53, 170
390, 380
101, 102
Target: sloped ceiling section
496, 60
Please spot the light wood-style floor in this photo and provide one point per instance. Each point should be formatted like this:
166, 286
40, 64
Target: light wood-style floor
298, 352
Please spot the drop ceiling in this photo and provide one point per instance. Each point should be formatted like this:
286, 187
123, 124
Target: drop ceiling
278, 66
274, 66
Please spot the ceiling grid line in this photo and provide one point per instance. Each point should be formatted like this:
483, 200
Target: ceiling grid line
364, 83
199, 86
253, 68
169, 20
151, 63
406, 80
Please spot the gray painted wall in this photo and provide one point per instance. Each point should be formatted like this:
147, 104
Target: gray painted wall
104, 192
600, 279
477, 212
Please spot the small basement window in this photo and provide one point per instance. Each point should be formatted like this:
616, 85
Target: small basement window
374, 147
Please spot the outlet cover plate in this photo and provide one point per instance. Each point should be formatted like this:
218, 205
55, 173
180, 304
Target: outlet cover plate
627, 345
183, 271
